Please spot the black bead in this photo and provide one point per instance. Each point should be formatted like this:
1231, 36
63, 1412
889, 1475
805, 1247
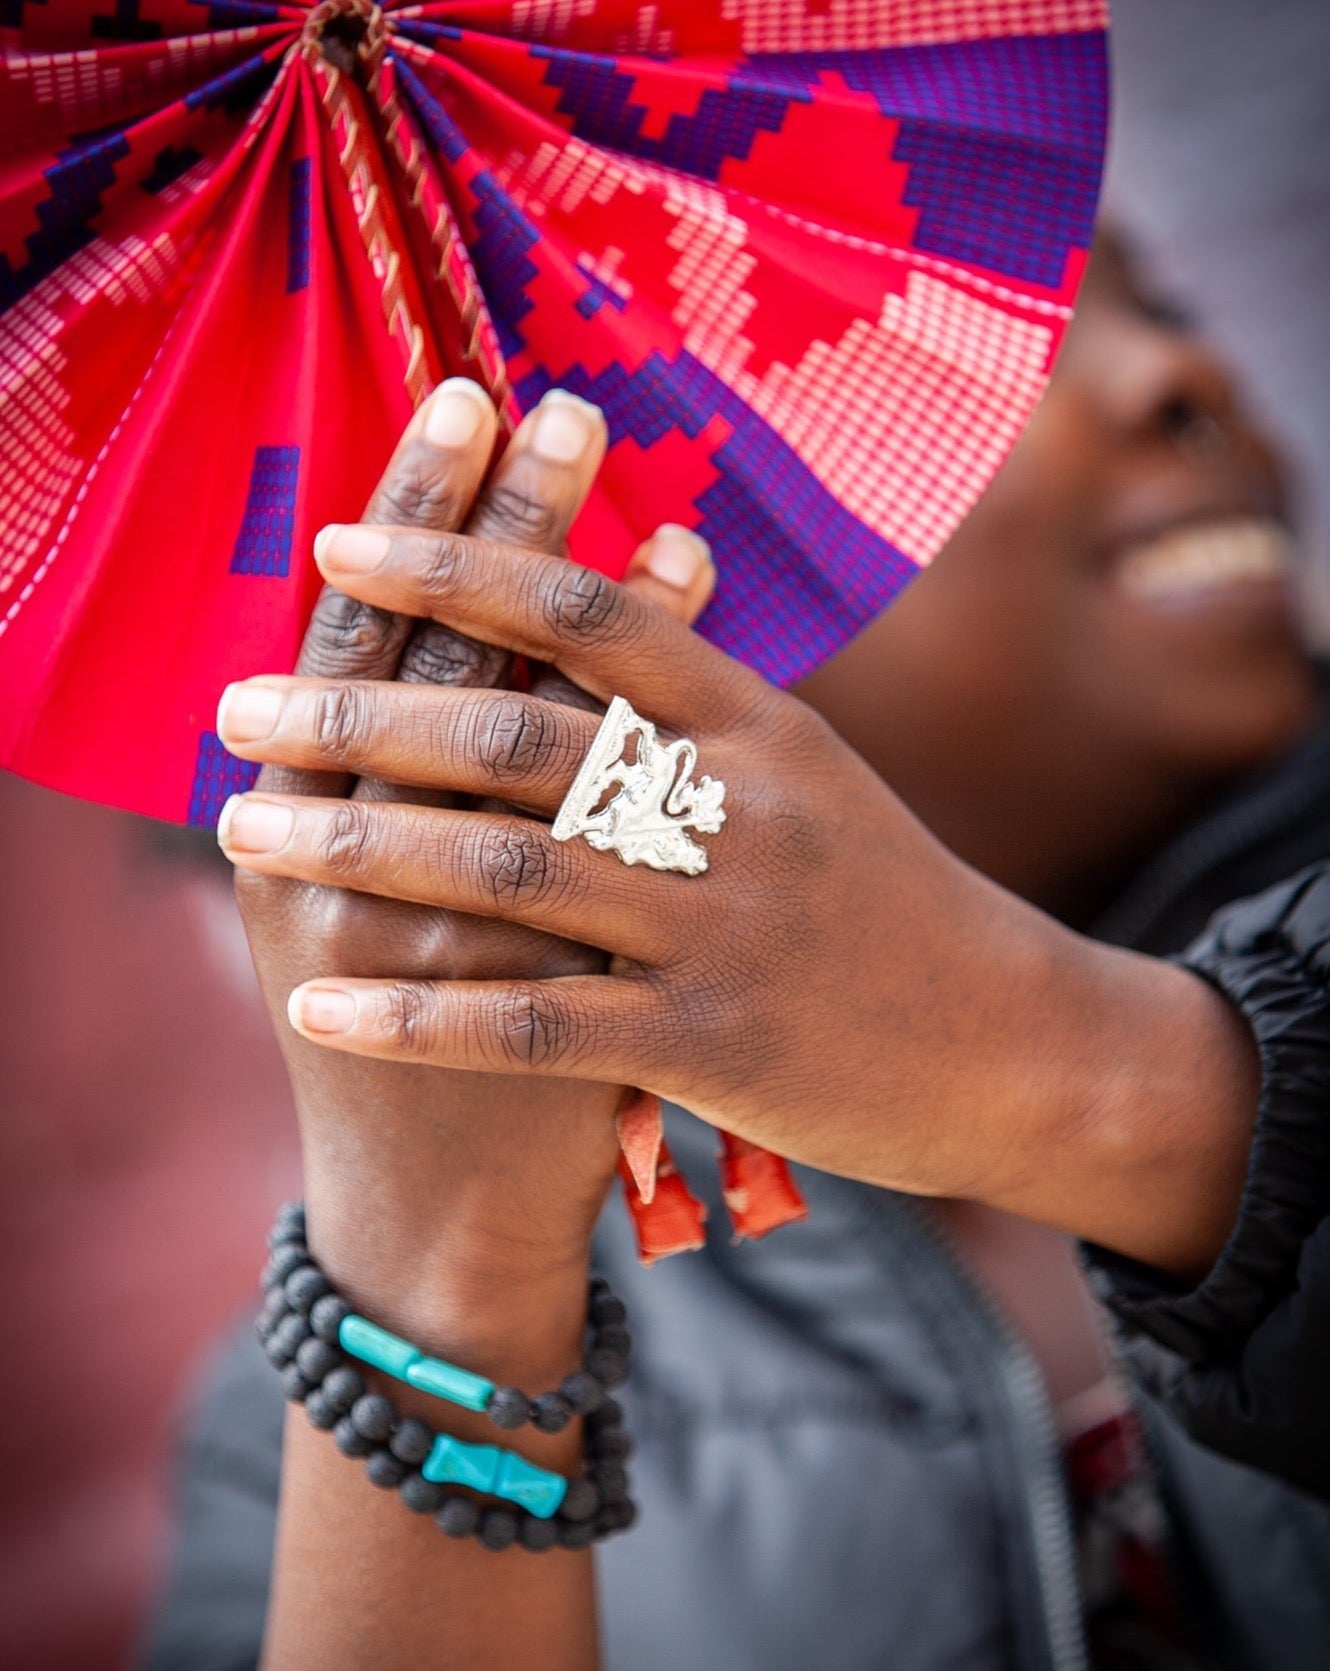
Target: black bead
615, 1517
551, 1412
326, 1315
412, 1442
582, 1391
610, 1479
607, 1310
420, 1495
316, 1359
458, 1517
611, 1444
385, 1470
508, 1407
374, 1416
305, 1284
270, 1314
538, 1535
614, 1339
283, 1232
321, 1414
281, 1345
498, 1529
285, 1259
609, 1414
609, 1368
343, 1387
296, 1386
292, 1213
577, 1534
349, 1439
580, 1501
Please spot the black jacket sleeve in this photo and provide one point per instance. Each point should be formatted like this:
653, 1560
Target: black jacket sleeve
1243, 1359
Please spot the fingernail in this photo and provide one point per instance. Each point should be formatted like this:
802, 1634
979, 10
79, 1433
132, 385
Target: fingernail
564, 426
248, 713
676, 555
321, 1009
351, 548
249, 826
455, 412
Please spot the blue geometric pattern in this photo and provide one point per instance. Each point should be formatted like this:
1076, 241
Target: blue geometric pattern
168, 165
597, 95
775, 606
596, 295
217, 776
65, 219
436, 121
298, 227
263, 545
1015, 189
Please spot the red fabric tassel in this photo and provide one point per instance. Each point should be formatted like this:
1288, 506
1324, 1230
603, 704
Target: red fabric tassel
759, 1190
672, 1221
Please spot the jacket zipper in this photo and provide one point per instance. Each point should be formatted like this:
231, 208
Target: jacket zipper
1041, 1471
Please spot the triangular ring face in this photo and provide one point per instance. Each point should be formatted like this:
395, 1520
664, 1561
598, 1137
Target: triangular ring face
654, 803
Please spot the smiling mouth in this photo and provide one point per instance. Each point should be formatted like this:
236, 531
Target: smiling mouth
1191, 564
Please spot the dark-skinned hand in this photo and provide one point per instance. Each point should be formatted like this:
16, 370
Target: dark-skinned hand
836, 986
399, 1154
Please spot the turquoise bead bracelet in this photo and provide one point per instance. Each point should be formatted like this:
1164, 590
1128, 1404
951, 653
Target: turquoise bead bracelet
405, 1362
311, 1336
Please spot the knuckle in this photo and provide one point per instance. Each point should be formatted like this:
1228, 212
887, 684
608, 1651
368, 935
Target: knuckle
519, 866
439, 560
533, 1031
514, 738
439, 656
582, 604
348, 840
409, 1022
344, 634
511, 514
417, 496
340, 718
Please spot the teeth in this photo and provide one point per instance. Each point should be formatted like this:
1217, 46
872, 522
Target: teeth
1210, 555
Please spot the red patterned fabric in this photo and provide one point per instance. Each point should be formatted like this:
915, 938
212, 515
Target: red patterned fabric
813, 257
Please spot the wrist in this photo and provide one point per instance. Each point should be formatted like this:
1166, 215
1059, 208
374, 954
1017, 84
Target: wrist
1142, 1087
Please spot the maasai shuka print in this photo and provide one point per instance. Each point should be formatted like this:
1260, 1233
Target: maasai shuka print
814, 259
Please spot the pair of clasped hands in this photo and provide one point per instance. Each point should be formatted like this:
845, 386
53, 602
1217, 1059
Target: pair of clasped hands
462, 999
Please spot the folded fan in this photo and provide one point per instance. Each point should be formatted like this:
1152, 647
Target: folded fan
813, 258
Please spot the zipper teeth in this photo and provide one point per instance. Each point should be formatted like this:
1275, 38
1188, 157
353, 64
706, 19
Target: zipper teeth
1041, 1470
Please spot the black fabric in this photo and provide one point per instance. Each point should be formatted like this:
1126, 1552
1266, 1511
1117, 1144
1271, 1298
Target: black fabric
1246, 1365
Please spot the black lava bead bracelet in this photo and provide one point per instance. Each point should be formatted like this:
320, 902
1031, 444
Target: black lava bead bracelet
300, 1326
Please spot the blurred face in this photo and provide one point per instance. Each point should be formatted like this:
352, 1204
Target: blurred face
1115, 613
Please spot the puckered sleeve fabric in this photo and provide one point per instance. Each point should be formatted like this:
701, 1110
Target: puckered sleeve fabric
1243, 1358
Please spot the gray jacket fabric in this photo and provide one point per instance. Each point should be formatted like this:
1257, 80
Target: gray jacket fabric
846, 1461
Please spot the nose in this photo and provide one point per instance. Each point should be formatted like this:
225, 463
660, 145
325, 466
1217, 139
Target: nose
1166, 390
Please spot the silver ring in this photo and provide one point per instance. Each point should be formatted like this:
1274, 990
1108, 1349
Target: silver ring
647, 819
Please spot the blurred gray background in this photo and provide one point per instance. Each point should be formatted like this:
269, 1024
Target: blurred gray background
1221, 170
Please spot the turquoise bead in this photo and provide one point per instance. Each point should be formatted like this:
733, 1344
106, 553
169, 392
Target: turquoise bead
451, 1462
373, 1345
536, 1490
445, 1380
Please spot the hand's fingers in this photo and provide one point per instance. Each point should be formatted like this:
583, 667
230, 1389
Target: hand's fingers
673, 569
492, 743
486, 864
431, 482
583, 1026
530, 500
604, 638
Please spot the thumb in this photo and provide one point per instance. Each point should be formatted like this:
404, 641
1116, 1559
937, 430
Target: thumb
674, 569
